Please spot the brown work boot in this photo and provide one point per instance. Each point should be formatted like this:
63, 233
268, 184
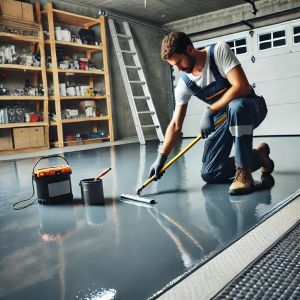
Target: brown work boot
267, 164
243, 182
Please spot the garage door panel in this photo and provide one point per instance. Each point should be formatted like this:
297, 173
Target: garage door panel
281, 120
278, 92
190, 126
273, 68
195, 106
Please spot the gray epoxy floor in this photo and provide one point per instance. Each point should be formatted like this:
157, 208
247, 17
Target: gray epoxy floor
124, 250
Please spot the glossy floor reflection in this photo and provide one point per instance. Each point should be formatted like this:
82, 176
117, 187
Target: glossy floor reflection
128, 250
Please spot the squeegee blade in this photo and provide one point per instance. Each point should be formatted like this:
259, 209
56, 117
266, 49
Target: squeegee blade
138, 198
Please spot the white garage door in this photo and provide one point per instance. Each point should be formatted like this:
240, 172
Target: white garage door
271, 60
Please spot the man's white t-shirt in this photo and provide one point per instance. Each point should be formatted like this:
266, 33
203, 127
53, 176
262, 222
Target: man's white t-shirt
225, 61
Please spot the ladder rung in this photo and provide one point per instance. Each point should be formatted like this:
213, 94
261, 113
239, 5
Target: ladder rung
141, 82
132, 67
128, 52
124, 36
144, 126
146, 112
141, 97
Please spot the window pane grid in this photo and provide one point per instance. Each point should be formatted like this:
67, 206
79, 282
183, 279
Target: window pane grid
265, 43
281, 38
296, 30
241, 44
296, 35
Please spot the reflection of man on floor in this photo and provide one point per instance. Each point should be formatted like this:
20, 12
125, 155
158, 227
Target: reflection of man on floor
215, 76
233, 217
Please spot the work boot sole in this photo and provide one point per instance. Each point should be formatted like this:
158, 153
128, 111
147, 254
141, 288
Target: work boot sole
272, 162
242, 191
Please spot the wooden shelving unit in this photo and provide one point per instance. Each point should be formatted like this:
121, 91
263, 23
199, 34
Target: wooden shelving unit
54, 16
17, 38
78, 98
10, 67
36, 44
75, 47
18, 125
80, 120
82, 72
86, 142
22, 98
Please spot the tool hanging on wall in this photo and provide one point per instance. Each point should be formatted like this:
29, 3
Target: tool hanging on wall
138, 196
53, 184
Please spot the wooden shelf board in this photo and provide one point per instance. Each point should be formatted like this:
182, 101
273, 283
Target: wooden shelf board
7, 97
74, 47
26, 150
80, 120
14, 125
82, 72
11, 37
63, 17
78, 97
12, 67
85, 142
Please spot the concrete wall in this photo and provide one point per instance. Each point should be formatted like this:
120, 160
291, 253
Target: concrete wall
148, 44
234, 15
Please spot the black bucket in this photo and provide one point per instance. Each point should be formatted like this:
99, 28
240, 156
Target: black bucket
92, 191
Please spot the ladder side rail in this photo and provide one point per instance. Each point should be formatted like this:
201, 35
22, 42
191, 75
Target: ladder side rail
126, 82
144, 86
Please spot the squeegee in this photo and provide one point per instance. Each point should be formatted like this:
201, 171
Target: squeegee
138, 196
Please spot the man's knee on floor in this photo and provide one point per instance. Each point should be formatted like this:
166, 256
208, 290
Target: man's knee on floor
212, 177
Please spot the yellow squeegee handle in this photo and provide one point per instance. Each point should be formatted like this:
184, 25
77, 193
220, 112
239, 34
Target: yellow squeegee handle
166, 166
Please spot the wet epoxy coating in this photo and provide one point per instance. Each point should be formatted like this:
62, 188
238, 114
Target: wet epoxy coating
128, 250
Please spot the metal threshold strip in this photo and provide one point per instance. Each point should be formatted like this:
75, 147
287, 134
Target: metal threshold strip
274, 274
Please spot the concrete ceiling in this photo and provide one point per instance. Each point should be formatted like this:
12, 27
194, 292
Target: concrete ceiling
158, 12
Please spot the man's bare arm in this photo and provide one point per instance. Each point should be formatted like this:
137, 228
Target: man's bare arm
174, 129
240, 88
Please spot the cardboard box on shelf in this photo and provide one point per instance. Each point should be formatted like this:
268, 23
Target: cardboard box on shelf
16, 9
36, 136
27, 12
36, 131
29, 137
37, 141
84, 104
6, 142
11, 8
21, 138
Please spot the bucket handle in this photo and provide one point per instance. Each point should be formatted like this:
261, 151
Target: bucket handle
49, 156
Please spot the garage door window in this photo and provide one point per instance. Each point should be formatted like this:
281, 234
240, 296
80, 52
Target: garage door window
238, 47
296, 32
272, 40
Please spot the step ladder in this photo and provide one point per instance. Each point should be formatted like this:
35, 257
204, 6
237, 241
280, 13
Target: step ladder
142, 81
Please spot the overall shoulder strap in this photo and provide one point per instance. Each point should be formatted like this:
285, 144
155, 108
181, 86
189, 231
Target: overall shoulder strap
190, 84
213, 66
